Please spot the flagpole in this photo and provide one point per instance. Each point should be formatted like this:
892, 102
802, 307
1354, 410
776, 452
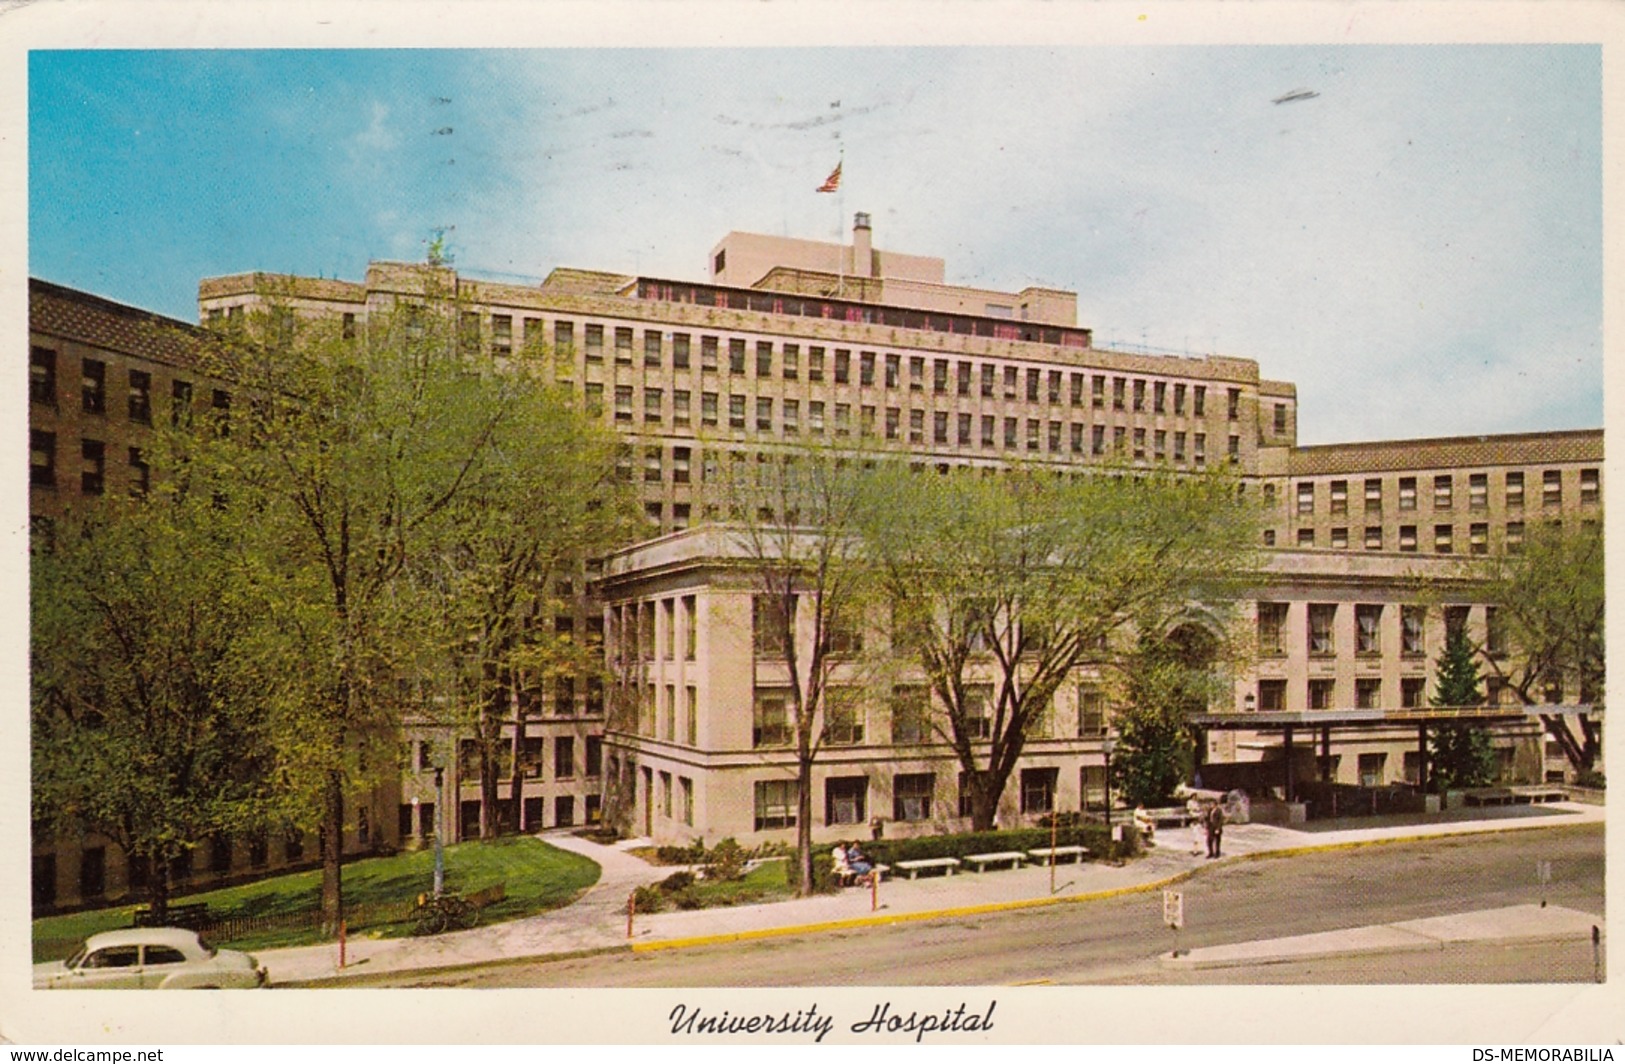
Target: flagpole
840, 225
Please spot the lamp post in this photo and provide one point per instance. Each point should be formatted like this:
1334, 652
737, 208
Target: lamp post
439, 821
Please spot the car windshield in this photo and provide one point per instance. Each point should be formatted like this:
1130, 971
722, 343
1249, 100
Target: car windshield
206, 946
73, 961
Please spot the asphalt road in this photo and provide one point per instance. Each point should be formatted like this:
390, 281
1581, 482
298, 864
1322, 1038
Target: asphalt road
1118, 940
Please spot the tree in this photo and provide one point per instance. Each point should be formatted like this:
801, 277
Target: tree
149, 719
1168, 676
1015, 580
542, 498
1461, 754
794, 514
350, 450
1549, 603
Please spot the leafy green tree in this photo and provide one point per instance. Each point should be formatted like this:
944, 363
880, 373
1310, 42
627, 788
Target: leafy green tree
1549, 605
793, 518
1166, 679
148, 681
1022, 577
350, 450
541, 499
1461, 754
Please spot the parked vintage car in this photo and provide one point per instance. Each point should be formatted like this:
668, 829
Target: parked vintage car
150, 958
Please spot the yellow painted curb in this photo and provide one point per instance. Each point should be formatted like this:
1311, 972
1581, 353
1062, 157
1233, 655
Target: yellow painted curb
878, 920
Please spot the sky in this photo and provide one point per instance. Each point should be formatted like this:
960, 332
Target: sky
1417, 245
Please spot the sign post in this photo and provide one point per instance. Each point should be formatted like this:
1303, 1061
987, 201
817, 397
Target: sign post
1543, 872
1173, 914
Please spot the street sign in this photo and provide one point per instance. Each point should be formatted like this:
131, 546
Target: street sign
1173, 909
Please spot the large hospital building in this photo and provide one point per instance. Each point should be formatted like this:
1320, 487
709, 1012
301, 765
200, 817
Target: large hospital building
792, 340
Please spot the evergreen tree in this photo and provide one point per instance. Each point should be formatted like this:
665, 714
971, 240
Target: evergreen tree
1461, 754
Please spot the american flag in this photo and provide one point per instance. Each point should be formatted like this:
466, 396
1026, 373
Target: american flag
833, 181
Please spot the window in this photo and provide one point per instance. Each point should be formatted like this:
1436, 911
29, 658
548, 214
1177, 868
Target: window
1340, 538
1077, 389
1443, 539
1199, 401
1412, 692
1590, 487
846, 800
1233, 404
1272, 628
1179, 447
93, 386
1054, 390
1306, 498
736, 411
623, 402
776, 804
594, 343
1091, 712
1340, 497
1455, 620
1322, 694
92, 476
1271, 696
916, 426
893, 365
1077, 438
893, 420
1514, 537
736, 356
815, 363
1055, 437
1097, 441
1514, 491
1097, 392
978, 715
41, 458
1368, 629
1407, 537
1372, 768
1038, 790
564, 811
1119, 389
989, 433
1551, 488
651, 464
792, 362
680, 407
764, 415
769, 625
964, 435
1373, 537
708, 354
1280, 419
912, 795
1495, 633
665, 795
1010, 430
843, 716
564, 757
1442, 492
770, 721
593, 399
42, 375
1412, 631
1306, 537
1322, 615
909, 721
1011, 375
652, 402
866, 368
1478, 491
1159, 444
623, 346
1373, 495
1199, 448
1139, 396
687, 787
1407, 493
691, 715
1478, 538
1139, 445
140, 473
792, 417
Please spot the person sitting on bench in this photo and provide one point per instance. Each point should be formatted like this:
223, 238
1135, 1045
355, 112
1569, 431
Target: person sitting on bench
841, 867
859, 863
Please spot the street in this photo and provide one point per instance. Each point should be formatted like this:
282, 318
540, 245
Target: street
1119, 940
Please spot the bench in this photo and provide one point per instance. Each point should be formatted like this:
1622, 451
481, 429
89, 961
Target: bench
488, 896
947, 864
1173, 815
1052, 854
981, 860
851, 879
192, 915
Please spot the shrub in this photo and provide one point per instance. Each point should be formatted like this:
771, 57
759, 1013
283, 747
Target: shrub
726, 861
677, 881
1590, 777
1093, 837
693, 853
648, 900
687, 899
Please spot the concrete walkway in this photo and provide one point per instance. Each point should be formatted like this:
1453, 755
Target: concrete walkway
597, 920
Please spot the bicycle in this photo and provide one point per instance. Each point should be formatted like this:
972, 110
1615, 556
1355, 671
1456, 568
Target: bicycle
437, 915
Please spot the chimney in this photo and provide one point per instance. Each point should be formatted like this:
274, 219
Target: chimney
862, 246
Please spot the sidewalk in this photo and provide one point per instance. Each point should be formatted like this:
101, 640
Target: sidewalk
597, 921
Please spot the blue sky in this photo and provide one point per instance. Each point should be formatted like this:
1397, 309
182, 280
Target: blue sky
1418, 248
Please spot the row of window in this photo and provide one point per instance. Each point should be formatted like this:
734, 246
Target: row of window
42, 465
939, 376
219, 855
1370, 692
532, 758
1320, 629
94, 390
1444, 495
636, 625
914, 797
1407, 538
912, 721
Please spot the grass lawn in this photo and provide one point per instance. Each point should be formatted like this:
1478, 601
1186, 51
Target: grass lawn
537, 877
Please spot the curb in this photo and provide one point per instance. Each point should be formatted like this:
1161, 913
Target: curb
357, 978
854, 922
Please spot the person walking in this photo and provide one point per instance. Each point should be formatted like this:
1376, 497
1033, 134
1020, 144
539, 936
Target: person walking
1198, 821
1215, 829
